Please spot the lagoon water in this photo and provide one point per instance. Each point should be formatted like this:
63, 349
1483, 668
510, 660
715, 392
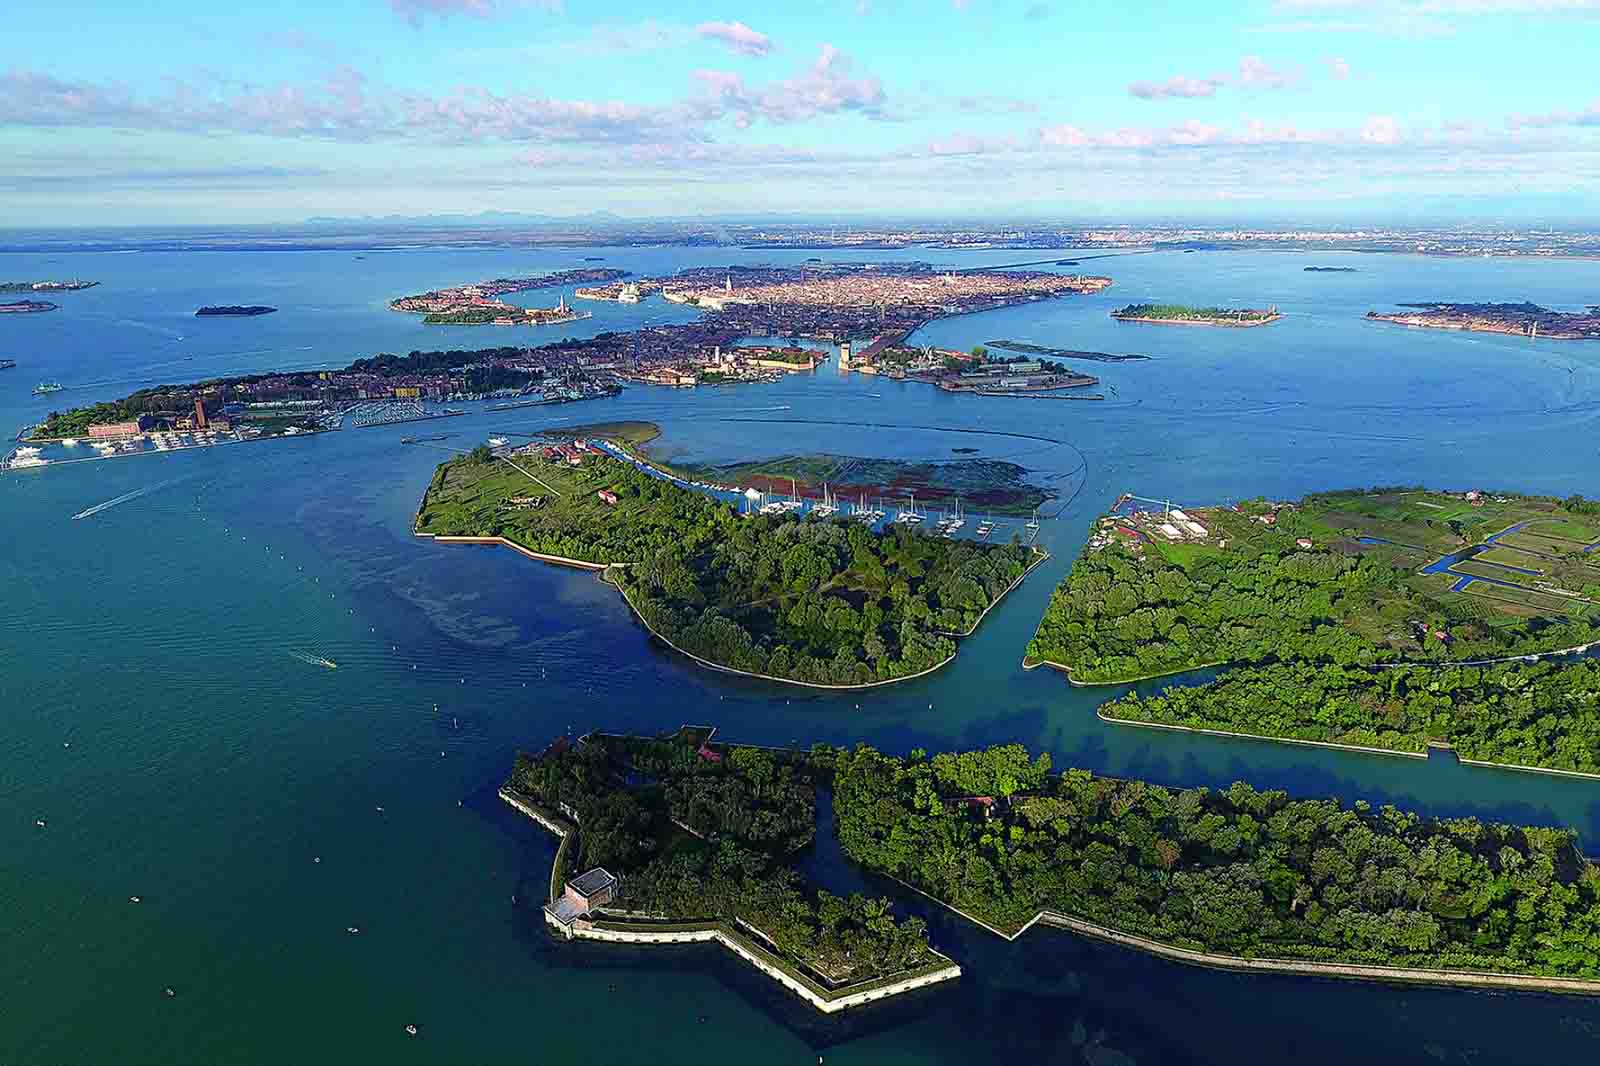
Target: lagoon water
160, 714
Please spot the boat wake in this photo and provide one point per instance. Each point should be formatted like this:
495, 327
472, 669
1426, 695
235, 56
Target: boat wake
313, 660
90, 512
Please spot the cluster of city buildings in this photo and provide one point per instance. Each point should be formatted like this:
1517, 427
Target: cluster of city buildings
1455, 240
931, 292
197, 422
480, 303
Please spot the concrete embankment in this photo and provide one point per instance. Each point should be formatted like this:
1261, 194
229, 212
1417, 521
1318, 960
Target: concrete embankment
829, 1001
746, 949
1350, 971
1577, 986
558, 560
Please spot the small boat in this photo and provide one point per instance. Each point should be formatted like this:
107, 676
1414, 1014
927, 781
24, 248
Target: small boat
45, 388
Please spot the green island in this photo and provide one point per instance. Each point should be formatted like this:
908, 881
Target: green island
1544, 715
628, 433
1186, 315
984, 486
704, 837
1234, 878
821, 603
1354, 578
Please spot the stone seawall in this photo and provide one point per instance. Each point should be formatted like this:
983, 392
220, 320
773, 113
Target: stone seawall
746, 951
733, 941
1575, 986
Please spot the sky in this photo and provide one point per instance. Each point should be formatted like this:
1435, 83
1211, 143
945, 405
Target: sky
1300, 111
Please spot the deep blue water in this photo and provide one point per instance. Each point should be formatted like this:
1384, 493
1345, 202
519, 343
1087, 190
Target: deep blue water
157, 716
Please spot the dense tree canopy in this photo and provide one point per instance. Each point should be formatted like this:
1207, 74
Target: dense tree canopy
1532, 714
1131, 610
826, 602
696, 838
1238, 872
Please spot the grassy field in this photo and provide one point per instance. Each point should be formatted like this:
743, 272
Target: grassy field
1335, 577
984, 486
628, 434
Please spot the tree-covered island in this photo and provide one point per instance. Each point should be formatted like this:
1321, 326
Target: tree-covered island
1381, 619
1238, 874
1544, 714
706, 835
1187, 315
829, 603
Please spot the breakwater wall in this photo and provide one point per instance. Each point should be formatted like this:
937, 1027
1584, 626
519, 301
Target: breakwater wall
622, 931
1577, 986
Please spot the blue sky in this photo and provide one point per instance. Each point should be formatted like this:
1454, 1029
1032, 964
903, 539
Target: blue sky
1295, 110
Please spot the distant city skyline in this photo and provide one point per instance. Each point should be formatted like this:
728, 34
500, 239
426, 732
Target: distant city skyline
1281, 110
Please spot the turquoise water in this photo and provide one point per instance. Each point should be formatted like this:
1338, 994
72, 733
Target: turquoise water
158, 713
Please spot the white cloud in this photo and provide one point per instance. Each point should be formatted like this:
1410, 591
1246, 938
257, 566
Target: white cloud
1254, 73
1178, 86
736, 37
828, 86
1381, 129
1408, 18
1257, 73
1589, 116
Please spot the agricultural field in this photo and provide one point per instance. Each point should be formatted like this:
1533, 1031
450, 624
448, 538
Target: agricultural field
1354, 577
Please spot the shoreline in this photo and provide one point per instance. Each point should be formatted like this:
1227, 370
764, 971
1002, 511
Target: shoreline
617, 928
1225, 323
1350, 971
1438, 745
1434, 664
602, 568
1030, 663
1468, 327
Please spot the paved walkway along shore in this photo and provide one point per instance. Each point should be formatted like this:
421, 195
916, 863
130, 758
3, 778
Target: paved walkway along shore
617, 928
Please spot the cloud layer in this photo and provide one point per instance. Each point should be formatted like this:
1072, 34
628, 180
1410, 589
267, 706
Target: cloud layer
736, 37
